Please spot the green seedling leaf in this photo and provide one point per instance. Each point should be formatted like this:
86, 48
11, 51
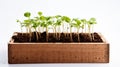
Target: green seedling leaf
78, 22
27, 14
42, 18
43, 24
48, 18
66, 19
57, 16
39, 13
83, 20
26, 21
49, 23
92, 21
58, 22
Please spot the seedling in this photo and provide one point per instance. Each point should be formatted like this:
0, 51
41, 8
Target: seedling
90, 23
35, 25
78, 26
83, 26
57, 23
66, 20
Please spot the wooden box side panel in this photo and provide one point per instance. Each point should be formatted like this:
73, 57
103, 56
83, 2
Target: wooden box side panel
60, 53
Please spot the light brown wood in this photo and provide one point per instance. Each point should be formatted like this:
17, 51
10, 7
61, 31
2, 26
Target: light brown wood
58, 52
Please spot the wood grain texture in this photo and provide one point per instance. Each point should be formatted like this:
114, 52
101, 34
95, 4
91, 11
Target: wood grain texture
58, 52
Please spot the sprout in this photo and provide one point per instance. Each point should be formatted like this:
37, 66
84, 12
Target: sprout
45, 23
90, 23
83, 26
35, 25
77, 25
67, 20
27, 23
56, 22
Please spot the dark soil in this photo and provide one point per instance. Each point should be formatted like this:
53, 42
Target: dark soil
59, 37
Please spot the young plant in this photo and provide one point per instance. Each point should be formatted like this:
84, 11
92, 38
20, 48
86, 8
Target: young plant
77, 25
35, 25
27, 23
83, 24
71, 31
38, 23
67, 20
45, 23
90, 23
56, 24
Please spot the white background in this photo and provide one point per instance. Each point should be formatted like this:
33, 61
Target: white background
107, 13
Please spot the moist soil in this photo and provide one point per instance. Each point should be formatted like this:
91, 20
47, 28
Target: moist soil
56, 37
